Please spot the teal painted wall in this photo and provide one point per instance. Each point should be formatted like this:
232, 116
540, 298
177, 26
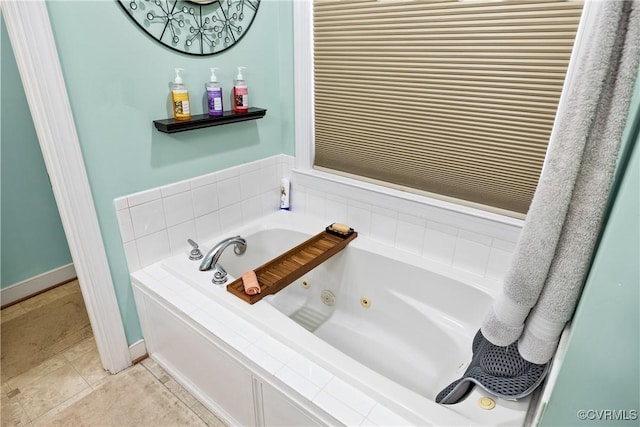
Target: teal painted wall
601, 367
30, 223
118, 82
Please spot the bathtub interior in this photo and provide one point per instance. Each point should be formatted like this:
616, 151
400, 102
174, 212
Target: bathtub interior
401, 321
407, 324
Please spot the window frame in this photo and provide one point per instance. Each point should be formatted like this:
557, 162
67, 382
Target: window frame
304, 125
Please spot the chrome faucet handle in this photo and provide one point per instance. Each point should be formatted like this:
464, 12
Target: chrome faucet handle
195, 253
219, 275
240, 248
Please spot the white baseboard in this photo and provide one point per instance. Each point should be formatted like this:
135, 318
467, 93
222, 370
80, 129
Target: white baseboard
36, 284
137, 350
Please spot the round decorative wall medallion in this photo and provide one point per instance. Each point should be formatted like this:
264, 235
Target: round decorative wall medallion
195, 27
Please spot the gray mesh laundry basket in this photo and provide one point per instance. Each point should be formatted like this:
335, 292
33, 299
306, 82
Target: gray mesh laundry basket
499, 370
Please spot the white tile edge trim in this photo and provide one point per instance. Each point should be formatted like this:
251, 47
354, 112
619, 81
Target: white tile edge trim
138, 349
405, 200
36, 284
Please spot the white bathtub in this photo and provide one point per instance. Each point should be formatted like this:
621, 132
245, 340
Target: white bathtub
392, 325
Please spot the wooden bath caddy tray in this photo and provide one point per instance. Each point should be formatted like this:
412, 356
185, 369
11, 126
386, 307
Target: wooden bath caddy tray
278, 273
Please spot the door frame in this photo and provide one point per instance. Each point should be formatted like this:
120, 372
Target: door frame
31, 37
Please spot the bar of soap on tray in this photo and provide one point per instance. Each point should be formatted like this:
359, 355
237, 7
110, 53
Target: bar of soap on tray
339, 229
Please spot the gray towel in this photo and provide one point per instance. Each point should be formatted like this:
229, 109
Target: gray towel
569, 201
588, 204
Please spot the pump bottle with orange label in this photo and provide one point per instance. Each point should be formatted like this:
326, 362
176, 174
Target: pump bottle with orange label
180, 98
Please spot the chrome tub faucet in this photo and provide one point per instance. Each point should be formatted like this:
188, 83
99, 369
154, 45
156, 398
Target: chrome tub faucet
210, 261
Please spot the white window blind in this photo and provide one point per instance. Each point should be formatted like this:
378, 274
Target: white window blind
456, 98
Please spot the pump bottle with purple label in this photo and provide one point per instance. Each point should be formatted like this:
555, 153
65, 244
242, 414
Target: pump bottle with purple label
214, 95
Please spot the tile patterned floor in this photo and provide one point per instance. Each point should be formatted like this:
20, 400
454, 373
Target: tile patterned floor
71, 388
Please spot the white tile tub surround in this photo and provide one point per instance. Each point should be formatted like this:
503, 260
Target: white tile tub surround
468, 239
156, 223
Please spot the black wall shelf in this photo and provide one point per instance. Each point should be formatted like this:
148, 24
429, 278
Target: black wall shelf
205, 120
